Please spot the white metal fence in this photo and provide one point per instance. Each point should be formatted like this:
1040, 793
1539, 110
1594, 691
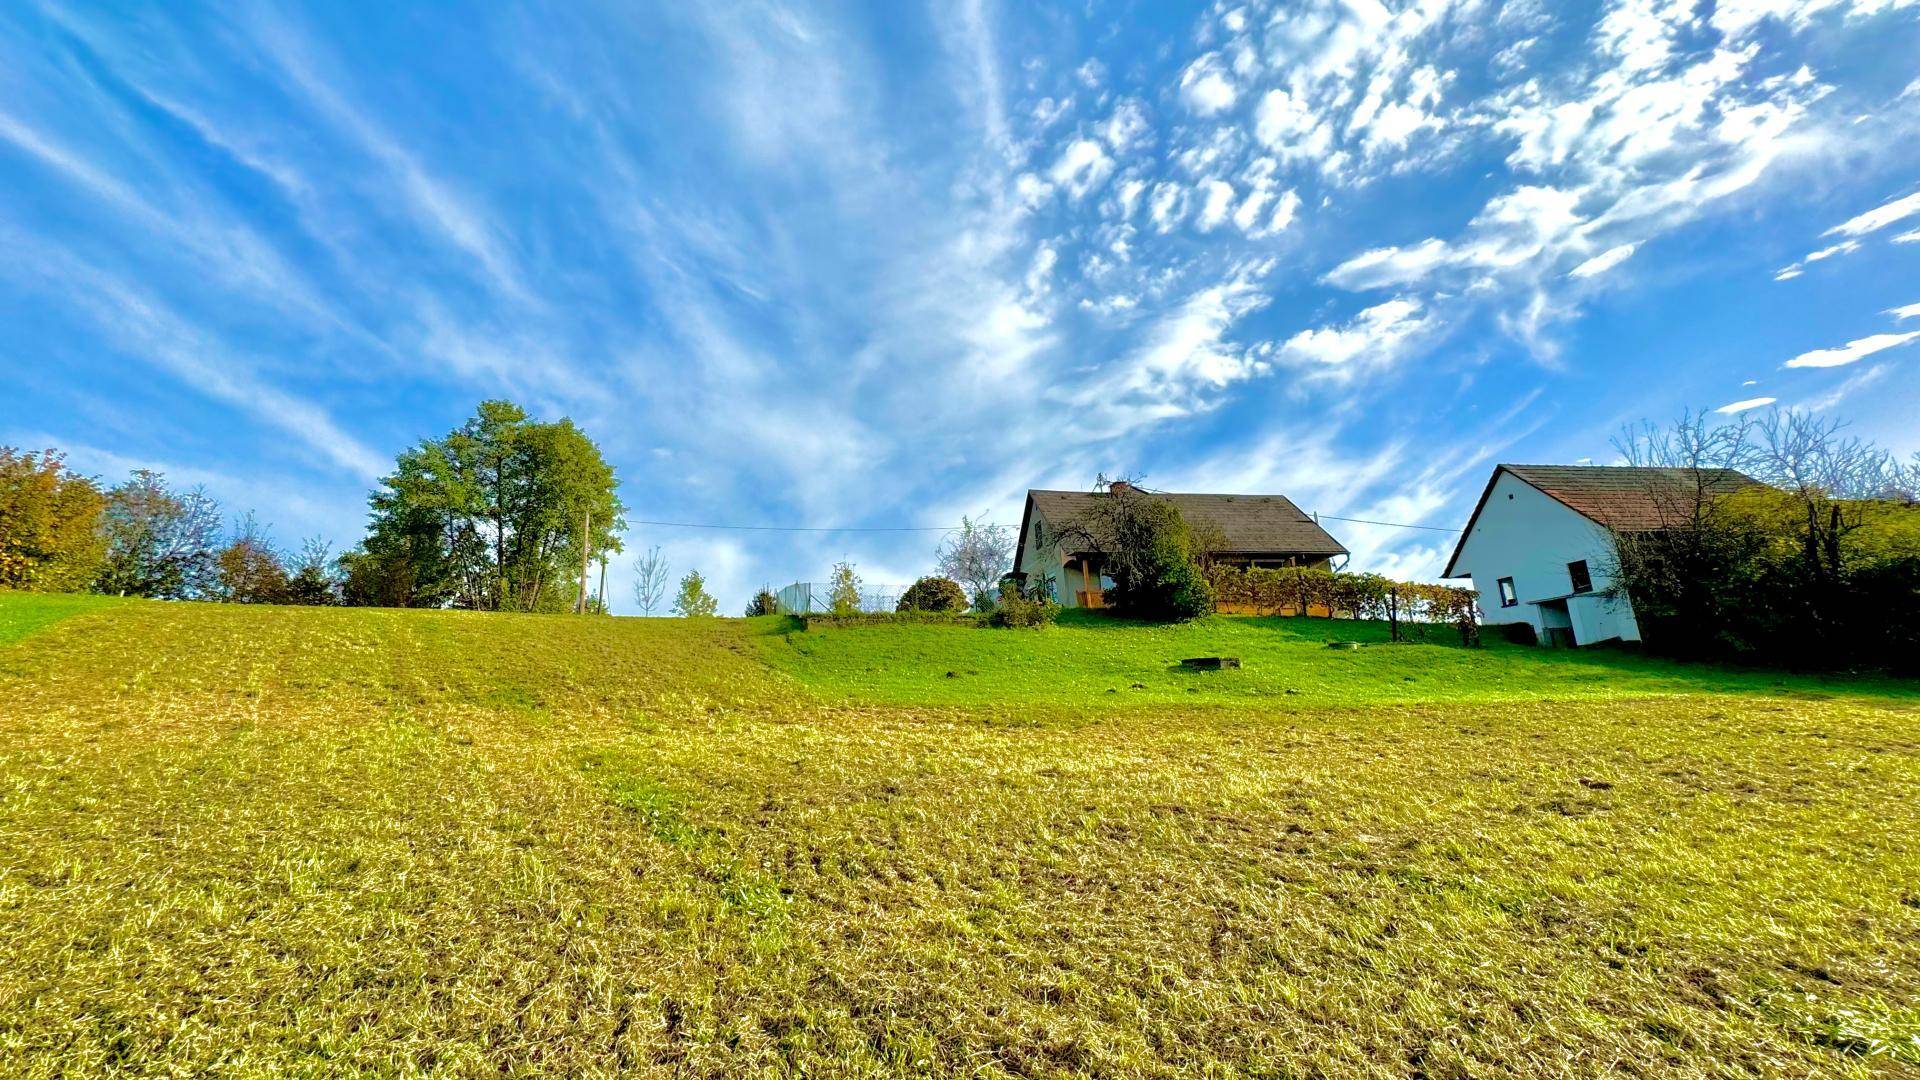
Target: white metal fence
810, 598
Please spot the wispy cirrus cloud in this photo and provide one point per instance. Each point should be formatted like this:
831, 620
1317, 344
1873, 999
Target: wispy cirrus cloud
1853, 351
806, 265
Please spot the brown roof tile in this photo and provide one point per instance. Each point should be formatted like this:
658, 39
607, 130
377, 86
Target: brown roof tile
1628, 498
1252, 524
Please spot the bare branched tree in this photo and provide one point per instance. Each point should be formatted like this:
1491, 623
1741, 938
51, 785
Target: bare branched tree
977, 556
650, 574
1715, 561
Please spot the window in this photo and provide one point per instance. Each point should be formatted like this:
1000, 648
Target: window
1582, 579
1507, 596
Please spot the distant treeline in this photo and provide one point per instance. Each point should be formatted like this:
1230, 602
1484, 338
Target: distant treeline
502, 513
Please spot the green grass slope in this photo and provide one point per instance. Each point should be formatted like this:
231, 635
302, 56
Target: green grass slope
327, 842
1089, 657
23, 613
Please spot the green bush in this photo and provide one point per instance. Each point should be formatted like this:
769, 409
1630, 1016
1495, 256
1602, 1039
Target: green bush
1153, 562
934, 594
1018, 609
764, 603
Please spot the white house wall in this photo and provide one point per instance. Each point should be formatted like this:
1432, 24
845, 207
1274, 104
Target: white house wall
1524, 534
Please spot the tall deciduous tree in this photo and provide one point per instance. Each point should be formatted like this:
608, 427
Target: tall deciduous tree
50, 538
493, 516
159, 542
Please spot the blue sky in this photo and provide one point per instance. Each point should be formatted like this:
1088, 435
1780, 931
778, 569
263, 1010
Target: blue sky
884, 264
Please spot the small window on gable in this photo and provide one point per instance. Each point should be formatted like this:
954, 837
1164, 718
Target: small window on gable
1508, 598
1582, 578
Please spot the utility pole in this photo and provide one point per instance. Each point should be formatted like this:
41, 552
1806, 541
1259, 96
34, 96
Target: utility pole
586, 537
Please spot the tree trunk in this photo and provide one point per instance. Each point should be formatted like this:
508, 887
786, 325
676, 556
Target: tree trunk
586, 555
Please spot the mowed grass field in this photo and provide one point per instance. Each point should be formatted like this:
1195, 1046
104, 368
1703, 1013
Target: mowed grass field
251, 841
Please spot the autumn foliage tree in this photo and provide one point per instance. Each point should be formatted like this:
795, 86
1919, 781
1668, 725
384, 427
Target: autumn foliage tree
250, 570
49, 523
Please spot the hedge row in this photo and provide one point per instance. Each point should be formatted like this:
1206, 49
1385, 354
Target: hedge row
1352, 596
824, 621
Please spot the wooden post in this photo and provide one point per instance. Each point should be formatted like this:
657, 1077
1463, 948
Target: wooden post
586, 538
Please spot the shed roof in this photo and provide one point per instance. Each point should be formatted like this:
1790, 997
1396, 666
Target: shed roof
1251, 524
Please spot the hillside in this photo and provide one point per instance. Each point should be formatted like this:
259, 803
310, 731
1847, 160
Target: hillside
331, 841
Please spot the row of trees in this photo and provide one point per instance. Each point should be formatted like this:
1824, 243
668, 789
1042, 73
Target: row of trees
61, 531
1818, 565
505, 513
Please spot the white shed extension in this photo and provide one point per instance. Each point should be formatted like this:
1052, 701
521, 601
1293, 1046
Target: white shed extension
1539, 547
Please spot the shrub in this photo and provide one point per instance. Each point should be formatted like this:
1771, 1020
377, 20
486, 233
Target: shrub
843, 596
1018, 609
694, 602
764, 603
934, 594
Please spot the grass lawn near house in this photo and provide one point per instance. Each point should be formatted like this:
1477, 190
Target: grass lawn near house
1092, 657
333, 842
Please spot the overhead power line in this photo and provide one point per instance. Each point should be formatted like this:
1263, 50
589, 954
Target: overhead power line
1391, 524
810, 528
951, 528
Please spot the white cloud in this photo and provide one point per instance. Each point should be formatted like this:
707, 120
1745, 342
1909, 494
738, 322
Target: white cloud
1851, 351
1851, 385
1788, 273
1167, 206
1908, 311
1081, 167
1127, 127
1288, 125
1743, 405
1374, 337
1512, 230
1604, 261
1183, 360
1845, 247
1908, 237
1218, 196
1284, 211
1879, 217
1206, 87
1390, 265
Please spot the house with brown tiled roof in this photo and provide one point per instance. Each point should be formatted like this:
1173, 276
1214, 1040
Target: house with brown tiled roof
1539, 546
1249, 530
